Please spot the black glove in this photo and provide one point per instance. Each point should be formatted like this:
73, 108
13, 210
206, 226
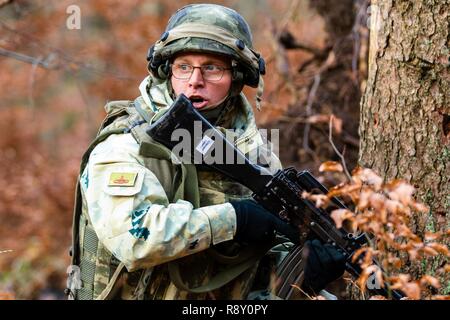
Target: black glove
255, 224
324, 264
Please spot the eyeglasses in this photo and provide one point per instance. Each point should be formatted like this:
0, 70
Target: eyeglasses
210, 72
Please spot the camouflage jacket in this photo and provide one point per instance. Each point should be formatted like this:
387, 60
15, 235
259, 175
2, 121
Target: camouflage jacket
128, 204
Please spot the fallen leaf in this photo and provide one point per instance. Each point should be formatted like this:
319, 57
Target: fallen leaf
331, 166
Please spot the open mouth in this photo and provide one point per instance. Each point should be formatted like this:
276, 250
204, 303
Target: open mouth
198, 102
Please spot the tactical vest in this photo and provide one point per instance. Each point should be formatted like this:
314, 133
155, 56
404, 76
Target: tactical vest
103, 276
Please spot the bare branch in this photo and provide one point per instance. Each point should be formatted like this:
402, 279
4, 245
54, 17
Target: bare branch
293, 9
44, 63
289, 42
31, 83
359, 22
311, 98
330, 138
56, 58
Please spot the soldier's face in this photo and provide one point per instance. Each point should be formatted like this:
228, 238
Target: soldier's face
204, 93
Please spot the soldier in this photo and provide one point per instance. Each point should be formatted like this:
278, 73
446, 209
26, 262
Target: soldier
146, 227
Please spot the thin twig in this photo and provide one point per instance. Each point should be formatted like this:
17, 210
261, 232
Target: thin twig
302, 291
89, 118
330, 138
357, 286
359, 21
31, 84
65, 60
293, 9
289, 42
28, 59
311, 97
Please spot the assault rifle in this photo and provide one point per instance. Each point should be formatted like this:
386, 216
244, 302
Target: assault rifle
280, 193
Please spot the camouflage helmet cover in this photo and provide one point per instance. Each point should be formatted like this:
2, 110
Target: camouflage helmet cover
208, 28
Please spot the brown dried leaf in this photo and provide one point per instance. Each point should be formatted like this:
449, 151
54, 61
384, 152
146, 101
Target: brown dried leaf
401, 191
362, 280
6, 296
337, 125
420, 207
413, 254
439, 247
331, 166
412, 290
340, 215
426, 279
431, 236
440, 297
377, 201
320, 200
318, 118
368, 260
430, 251
367, 176
397, 263
404, 231
394, 206
364, 196
394, 261
343, 189
359, 252
399, 280
375, 226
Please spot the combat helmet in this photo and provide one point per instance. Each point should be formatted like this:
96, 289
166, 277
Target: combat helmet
215, 29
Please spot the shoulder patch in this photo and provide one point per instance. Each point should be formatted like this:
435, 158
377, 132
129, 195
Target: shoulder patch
122, 179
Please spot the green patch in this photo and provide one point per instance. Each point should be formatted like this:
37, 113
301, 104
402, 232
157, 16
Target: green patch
122, 179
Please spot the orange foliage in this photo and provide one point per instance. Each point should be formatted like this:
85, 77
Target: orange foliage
384, 211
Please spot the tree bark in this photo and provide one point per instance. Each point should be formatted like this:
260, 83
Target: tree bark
405, 112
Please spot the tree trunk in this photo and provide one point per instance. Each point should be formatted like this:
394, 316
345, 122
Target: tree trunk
405, 112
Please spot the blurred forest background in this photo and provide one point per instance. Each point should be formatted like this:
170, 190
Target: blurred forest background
54, 82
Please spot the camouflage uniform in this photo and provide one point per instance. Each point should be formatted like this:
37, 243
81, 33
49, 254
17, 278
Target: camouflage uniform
132, 213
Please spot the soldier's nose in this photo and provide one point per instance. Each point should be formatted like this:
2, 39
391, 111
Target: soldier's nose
196, 78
